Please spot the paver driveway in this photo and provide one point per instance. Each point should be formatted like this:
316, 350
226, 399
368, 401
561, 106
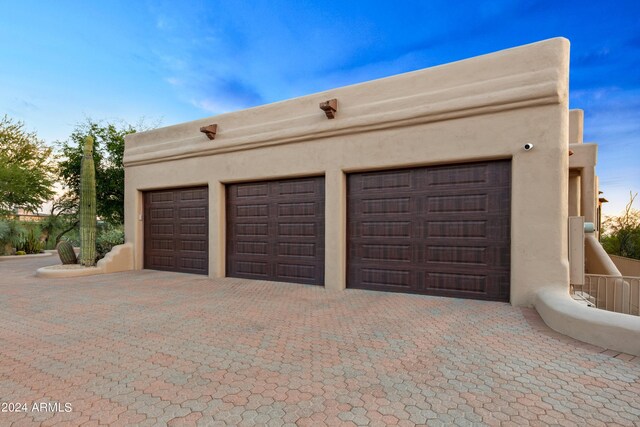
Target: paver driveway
151, 348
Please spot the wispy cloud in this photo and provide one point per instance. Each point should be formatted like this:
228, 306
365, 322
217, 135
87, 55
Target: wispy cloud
611, 114
591, 57
197, 63
174, 81
161, 23
24, 104
223, 95
612, 120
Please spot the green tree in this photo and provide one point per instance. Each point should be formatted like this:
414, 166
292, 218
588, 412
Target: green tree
62, 218
26, 168
107, 155
622, 233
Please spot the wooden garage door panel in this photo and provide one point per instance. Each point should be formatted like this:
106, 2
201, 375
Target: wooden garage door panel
275, 230
442, 230
176, 236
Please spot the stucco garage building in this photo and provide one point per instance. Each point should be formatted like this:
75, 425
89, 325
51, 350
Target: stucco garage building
419, 183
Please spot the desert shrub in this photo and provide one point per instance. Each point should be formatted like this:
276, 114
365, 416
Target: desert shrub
107, 240
29, 242
21, 253
5, 229
621, 234
5, 239
11, 234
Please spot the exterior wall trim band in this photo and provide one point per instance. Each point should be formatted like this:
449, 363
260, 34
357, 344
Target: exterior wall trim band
489, 96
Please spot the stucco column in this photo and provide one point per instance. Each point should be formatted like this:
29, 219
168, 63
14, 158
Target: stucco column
574, 193
335, 230
133, 218
217, 234
539, 211
588, 194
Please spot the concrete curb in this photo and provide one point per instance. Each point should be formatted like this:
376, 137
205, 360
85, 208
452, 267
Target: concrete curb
53, 271
19, 257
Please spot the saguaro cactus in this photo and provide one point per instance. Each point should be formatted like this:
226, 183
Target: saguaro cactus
88, 206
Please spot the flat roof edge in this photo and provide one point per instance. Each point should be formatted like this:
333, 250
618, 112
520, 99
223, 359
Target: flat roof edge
526, 76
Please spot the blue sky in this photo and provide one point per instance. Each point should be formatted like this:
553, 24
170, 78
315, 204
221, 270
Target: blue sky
175, 61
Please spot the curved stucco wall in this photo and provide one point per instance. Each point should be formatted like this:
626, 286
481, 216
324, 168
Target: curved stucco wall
615, 331
481, 109
597, 260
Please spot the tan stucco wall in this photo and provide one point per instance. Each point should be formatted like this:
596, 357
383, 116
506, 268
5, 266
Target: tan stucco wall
583, 182
576, 126
627, 266
583, 161
483, 108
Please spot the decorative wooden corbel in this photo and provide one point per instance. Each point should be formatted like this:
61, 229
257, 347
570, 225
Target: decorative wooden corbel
329, 107
210, 131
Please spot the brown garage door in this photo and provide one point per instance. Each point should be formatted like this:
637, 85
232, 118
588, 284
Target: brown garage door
176, 230
275, 230
441, 230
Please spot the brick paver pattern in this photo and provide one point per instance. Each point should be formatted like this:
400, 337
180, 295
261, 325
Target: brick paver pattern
157, 348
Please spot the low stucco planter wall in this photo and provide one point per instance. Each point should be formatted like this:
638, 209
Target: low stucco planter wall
120, 258
615, 331
69, 270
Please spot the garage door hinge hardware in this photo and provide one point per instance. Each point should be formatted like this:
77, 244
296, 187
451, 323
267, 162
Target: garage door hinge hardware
210, 131
329, 107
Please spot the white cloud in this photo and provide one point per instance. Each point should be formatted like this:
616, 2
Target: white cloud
215, 106
174, 81
161, 23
